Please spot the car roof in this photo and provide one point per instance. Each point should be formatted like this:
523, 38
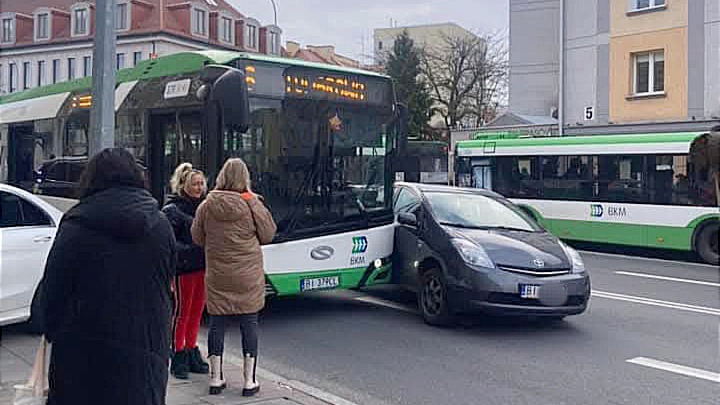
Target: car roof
421, 188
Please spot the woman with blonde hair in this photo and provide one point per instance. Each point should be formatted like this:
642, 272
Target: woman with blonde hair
188, 186
232, 224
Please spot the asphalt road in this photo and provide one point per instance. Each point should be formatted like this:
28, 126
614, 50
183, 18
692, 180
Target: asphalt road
644, 327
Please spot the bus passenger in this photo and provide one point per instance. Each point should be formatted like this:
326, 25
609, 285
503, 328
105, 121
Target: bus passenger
232, 224
188, 186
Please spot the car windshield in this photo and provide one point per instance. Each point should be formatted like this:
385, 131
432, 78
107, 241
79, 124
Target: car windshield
478, 211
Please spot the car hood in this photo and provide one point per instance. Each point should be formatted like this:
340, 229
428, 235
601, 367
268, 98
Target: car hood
535, 251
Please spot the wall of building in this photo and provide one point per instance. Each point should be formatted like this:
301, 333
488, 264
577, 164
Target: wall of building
632, 33
712, 59
423, 35
534, 56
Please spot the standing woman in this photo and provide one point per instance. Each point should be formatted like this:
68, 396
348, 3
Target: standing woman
232, 224
188, 186
107, 300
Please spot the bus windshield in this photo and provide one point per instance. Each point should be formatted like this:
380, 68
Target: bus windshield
319, 165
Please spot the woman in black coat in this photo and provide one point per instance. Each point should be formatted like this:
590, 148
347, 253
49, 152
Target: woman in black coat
107, 300
189, 187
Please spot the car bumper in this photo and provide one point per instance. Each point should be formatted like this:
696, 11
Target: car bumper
497, 292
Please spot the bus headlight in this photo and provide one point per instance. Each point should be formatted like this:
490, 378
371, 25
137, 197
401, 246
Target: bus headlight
473, 254
578, 264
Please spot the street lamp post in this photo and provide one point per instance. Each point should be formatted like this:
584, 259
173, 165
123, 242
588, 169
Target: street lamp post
274, 10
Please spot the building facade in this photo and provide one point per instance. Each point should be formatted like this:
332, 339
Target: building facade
621, 61
428, 36
52, 43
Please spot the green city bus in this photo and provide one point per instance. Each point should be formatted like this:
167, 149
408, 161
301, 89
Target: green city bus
648, 190
318, 139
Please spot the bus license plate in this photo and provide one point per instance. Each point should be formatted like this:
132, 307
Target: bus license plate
531, 292
319, 283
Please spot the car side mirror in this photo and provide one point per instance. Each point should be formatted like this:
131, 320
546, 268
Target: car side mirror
406, 218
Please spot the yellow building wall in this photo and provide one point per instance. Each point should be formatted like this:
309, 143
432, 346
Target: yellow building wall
675, 15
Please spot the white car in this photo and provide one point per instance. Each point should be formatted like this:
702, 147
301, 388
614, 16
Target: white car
28, 225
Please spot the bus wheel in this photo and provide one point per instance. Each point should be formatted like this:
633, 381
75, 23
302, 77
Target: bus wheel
707, 243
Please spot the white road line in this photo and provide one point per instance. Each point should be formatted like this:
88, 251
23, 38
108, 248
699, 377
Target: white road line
385, 303
649, 259
680, 280
676, 368
657, 303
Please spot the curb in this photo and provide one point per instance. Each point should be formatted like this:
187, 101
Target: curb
303, 388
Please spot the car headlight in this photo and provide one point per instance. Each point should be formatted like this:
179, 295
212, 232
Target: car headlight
577, 261
472, 253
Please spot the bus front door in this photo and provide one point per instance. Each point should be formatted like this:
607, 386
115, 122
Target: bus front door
482, 174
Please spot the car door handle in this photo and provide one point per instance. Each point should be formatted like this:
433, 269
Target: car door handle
42, 239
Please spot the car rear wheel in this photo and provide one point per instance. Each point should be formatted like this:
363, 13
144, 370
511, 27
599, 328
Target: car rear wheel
707, 243
433, 298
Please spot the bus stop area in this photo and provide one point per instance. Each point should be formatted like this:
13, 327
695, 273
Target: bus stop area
17, 354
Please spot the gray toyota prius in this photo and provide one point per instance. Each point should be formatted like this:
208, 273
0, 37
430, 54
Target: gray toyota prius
468, 251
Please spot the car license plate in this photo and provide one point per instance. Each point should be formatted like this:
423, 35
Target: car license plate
319, 283
531, 292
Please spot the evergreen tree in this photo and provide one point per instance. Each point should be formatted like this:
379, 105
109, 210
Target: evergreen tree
403, 65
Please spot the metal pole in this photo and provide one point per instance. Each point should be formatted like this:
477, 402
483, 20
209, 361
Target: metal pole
274, 10
561, 73
102, 113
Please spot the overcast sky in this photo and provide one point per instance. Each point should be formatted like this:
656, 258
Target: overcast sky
343, 23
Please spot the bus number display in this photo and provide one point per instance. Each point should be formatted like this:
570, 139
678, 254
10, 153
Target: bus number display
338, 87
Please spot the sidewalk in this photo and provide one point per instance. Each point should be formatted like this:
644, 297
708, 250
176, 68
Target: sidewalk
17, 352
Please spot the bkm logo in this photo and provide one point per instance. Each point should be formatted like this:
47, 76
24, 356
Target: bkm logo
360, 244
596, 210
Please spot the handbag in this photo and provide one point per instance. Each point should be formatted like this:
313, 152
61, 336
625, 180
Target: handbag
34, 392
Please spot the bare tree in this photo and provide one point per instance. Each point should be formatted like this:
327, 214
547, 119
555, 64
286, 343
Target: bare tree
467, 75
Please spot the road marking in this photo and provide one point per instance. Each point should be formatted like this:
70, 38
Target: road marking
657, 303
385, 303
676, 368
295, 385
680, 280
649, 259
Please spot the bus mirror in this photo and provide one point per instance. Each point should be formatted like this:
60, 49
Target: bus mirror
226, 87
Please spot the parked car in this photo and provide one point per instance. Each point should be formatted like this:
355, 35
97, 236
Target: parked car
28, 226
473, 251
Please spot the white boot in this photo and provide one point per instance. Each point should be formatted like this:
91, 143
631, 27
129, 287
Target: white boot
251, 385
217, 378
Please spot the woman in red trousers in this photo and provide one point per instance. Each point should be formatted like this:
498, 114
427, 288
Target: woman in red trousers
189, 188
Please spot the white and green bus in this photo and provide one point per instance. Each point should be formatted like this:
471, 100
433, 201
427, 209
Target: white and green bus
647, 190
318, 139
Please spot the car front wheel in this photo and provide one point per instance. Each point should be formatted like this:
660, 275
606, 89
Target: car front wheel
433, 298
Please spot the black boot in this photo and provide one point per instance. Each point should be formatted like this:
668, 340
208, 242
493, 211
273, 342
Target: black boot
180, 366
197, 365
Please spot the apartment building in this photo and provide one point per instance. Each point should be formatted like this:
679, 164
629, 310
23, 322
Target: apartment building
615, 62
53, 42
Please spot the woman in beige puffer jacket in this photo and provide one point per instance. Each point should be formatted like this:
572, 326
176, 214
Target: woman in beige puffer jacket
232, 224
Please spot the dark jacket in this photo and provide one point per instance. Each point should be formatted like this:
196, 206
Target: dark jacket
180, 211
108, 302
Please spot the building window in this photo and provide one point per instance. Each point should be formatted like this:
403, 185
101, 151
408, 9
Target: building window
252, 33
137, 57
274, 45
120, 61
55, 70
12, 76
27, 75
121, 17
649, 72
641, 5
80, 21
41, 77
71, 68
380, 45
42, 26
8, 30
87, 66
199, 21
226, 30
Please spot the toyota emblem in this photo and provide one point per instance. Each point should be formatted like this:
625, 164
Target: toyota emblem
539, 263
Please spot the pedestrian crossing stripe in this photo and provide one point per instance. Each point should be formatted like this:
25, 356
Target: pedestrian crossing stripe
360, 244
